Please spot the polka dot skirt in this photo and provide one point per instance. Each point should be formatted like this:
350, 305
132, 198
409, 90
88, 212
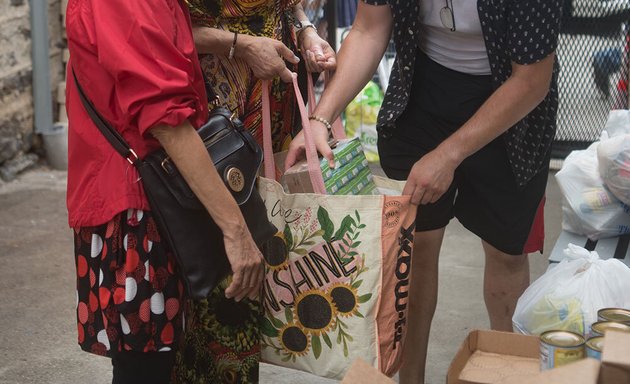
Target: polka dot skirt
128, 294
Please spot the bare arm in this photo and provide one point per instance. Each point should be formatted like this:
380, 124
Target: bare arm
357, 61
519, 95
185, 147
263, 55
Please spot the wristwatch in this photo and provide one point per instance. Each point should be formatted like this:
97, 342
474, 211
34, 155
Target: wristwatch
300, 25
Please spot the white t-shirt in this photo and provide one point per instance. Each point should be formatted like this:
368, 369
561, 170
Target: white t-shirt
462, 50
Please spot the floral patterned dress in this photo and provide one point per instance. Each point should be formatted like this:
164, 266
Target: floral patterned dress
232, 80
221, 342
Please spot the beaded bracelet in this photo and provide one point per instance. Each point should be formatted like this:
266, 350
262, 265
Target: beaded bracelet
322, 120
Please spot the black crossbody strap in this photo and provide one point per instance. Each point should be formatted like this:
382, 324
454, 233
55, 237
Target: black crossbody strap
114, 138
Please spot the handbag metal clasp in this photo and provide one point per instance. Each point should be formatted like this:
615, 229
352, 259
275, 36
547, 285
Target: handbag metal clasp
165, 163
235, 179
131, 159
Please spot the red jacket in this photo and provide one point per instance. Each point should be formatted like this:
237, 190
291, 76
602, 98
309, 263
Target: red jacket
137, 63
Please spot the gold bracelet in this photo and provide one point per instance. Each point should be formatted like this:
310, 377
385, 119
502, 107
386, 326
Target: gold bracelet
322, 120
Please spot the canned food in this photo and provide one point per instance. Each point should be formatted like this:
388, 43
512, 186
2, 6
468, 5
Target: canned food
559, 348
594, 347
619, 315
599, 328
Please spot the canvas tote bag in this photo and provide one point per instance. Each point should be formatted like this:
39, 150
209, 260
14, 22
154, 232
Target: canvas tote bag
338, 271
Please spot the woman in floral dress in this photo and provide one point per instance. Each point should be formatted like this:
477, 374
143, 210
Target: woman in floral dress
240, 43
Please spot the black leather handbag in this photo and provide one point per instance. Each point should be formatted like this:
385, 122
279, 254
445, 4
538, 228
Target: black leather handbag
183, 222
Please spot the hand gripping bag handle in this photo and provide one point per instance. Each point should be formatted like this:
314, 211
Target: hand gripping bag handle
312, 160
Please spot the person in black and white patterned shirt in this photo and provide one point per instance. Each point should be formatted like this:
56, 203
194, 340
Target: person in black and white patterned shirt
468, 120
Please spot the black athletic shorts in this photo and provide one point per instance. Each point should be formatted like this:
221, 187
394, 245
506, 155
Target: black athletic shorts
484, 195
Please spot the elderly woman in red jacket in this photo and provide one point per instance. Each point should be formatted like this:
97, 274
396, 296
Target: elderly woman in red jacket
137, 63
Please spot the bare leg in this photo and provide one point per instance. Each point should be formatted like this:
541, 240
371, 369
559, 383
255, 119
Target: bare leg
506, 278
422, 303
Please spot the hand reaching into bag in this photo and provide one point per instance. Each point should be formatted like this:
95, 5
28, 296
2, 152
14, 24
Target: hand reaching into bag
297, 149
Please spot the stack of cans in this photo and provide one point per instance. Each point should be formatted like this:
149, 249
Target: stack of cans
562, 347
617, 319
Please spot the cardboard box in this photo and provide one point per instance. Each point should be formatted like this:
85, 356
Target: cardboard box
615, 359
351, 176
584, 371
488, 357
361, 372
503, 353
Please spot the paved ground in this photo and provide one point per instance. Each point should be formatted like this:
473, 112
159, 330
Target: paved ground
37, 331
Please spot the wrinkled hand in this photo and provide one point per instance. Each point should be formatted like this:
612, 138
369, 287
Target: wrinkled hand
318, 54
247, 266
297, 150
430, 177
265, 57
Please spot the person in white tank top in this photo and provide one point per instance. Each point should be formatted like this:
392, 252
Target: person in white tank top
461, 47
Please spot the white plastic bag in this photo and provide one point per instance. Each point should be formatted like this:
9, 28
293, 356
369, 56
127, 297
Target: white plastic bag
618, 123
588, 208
614, 165
568, 295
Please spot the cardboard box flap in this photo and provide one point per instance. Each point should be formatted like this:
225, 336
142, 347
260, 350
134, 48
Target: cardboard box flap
616, 349
503, 343
511, 350
461, 357
361, 372
615, 359
584, 372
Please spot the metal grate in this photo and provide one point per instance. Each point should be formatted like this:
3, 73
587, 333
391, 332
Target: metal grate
593, 55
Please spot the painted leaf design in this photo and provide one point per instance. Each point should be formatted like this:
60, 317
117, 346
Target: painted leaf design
288, 237
365, 298
288, 313
344, 227
267, 328
325, 222
327, 340
357, 284
317, 346
277, 323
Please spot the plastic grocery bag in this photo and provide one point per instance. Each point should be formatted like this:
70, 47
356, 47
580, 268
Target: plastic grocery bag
618, 123
613, 154
361, 115
568, 296
589, 208
614, 166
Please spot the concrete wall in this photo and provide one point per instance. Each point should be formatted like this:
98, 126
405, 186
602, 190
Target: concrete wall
16, 102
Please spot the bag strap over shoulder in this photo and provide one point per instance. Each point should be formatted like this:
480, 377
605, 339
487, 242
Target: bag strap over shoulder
112, 136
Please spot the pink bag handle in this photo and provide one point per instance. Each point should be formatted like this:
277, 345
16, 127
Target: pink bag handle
312, 160
338, 132
270, 164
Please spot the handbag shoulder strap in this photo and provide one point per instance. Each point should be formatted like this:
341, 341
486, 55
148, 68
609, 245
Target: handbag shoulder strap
114, 138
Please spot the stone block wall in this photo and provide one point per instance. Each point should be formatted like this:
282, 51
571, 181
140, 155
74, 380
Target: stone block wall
17, 138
